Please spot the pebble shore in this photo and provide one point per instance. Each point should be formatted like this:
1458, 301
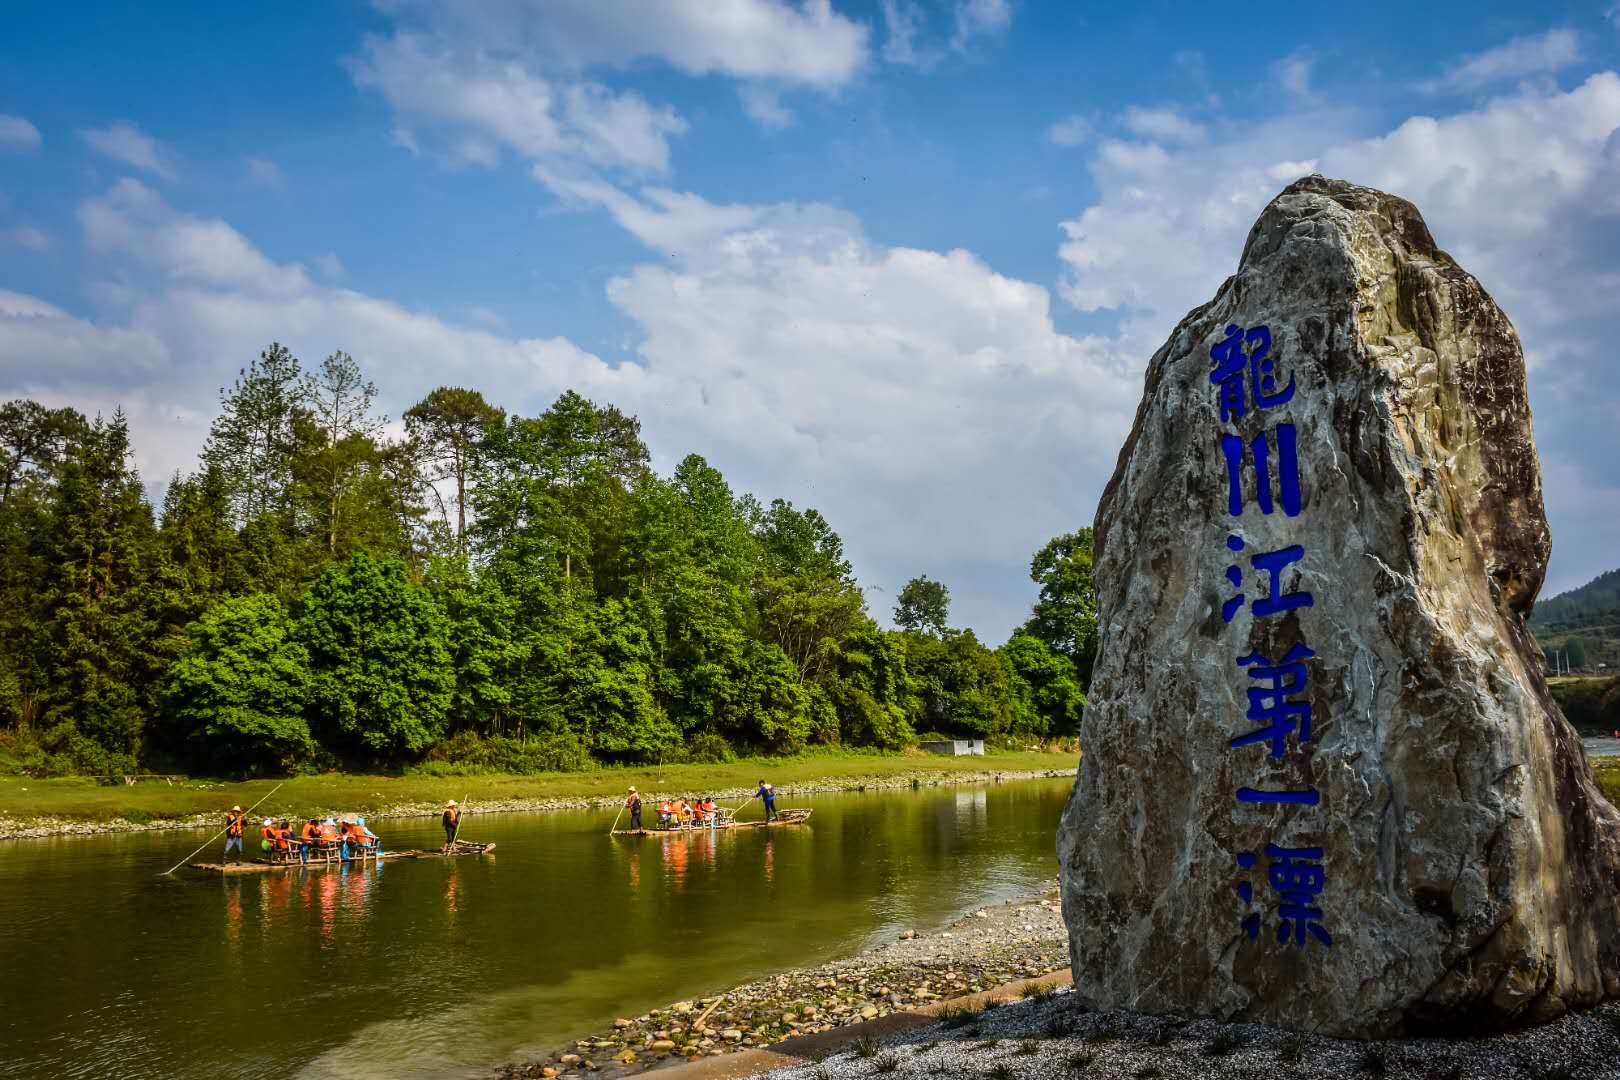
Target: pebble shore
1044, 1036
979, 951
1051, 1036
32, 828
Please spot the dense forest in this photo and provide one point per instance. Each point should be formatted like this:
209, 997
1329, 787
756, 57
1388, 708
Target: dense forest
484, 591
1580, 629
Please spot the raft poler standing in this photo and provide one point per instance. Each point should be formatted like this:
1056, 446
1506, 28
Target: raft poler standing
451, 820
233, 834
767, 792
633, 803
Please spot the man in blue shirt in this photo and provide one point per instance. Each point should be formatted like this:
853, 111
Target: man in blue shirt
767, 792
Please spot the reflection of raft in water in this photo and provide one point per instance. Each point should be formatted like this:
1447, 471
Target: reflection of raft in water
724, 821
262, 866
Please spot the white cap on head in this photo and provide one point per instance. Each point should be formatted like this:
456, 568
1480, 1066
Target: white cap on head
267, 821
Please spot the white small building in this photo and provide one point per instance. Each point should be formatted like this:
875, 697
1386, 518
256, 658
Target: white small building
955, 747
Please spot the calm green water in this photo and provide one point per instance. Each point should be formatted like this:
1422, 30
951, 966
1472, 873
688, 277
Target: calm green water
442, 968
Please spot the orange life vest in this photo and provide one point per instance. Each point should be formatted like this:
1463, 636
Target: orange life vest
310, 831
267, 831
328, 833
233, 824
283, 839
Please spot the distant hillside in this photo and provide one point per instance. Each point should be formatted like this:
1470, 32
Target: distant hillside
1598, 601
1582, 626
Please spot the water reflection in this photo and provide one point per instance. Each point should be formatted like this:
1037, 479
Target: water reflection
140, 991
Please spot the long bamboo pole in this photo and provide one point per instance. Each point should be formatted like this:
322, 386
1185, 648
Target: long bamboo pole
616, 818
221, 832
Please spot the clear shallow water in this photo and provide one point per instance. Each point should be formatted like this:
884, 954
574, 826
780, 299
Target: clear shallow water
444, 968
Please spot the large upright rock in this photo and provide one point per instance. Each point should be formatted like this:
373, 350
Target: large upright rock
1442, 857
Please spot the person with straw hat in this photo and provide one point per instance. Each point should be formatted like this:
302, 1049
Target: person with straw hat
233, 835
451, 820
633, 802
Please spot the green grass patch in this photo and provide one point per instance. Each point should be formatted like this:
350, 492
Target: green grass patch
81, 800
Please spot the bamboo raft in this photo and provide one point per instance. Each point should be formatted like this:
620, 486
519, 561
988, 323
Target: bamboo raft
264, 866
724, 822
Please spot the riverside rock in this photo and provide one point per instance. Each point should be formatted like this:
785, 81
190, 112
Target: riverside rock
1406, 836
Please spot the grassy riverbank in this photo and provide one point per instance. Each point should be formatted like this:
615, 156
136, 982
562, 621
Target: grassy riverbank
28, 806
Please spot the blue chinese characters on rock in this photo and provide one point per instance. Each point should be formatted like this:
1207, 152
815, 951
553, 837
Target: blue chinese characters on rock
1250, 386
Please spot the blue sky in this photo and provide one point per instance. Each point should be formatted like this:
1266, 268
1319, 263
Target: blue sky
902, 260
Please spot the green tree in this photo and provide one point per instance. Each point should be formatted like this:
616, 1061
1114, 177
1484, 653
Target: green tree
487, 645
965, 688
1047, 699
240, 686
101, 667
1065, 615
872, 693
923, 605
805, 591
33, 441
449, 425
252, 441
379, 653
337, 400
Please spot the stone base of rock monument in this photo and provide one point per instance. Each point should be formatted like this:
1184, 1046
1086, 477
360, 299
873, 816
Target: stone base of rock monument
1324, 785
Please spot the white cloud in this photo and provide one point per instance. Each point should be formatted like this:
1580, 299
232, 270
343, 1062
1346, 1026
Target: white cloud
805, 43
924, 402
187, 300
502, 68
508, 102
1522, 191
263, 172
329, 265
1164, 125
129, 144
26, 236
1294, 73
17, 133
902, 22
1070, 131
763, 104
980, 18
1537, 54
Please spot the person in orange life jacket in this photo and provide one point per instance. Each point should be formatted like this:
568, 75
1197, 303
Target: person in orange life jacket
233, 834
666, 811
709, 809
268, 833
683, 810
451, 820
633, 803
310, 833
767, 792
285, 841
362, 834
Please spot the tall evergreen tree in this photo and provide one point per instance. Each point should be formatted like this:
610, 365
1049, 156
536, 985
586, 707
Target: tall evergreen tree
252, 442
339, 446
102, 669
449, 425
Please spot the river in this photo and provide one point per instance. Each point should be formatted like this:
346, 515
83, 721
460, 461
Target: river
444, 968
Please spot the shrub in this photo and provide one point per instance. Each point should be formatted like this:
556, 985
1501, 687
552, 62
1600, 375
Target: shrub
468, 754
708, 748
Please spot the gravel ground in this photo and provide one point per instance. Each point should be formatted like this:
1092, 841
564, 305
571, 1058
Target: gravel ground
1052, 1037
980, 950
35, 828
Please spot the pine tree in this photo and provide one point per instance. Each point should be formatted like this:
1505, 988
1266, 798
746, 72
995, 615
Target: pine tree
102, 666
252, 441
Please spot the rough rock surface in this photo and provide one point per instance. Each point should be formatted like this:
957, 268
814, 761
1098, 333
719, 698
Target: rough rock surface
1469, 875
